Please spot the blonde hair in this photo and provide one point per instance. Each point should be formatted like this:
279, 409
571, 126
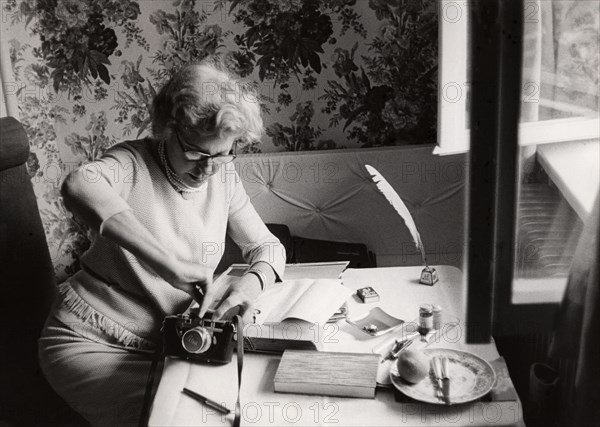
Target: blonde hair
210, 98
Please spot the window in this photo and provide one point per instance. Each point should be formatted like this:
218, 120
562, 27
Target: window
559, 81
533, 78
559, 139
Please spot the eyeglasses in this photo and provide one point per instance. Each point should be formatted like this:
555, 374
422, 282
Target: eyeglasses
197, 156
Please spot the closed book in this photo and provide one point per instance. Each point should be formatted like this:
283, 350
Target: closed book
329, 374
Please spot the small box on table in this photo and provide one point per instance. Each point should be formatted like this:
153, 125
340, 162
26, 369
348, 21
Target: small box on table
367, 294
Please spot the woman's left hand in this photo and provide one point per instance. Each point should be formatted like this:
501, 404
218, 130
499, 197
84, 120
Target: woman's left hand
242, 295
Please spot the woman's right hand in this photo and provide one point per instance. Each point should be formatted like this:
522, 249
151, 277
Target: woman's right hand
193, 279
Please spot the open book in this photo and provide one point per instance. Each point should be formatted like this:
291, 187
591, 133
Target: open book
313, 300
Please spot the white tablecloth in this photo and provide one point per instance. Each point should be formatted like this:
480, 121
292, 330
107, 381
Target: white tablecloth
401, 295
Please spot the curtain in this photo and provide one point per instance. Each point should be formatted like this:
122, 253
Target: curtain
560, 59
8, 97
575, 337
536, 31
560, 80
537, 50
560, 63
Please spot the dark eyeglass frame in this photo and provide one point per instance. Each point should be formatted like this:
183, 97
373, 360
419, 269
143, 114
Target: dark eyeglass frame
198, 156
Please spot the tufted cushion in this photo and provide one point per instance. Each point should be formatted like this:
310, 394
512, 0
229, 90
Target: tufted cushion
329, 195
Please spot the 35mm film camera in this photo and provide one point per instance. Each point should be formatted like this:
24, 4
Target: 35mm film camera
199, 339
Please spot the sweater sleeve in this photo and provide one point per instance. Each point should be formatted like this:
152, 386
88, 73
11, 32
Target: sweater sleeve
248, 230
102, 187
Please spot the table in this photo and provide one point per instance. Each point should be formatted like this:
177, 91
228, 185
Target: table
401, 295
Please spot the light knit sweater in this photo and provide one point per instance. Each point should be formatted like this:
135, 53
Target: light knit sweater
121, 295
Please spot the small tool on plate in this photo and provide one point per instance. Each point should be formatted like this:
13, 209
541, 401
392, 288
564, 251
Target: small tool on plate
437, 373
445, 381
398, 347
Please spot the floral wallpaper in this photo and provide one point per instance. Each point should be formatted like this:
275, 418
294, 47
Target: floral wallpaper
331, 74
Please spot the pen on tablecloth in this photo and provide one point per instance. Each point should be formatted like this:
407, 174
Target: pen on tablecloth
206, 401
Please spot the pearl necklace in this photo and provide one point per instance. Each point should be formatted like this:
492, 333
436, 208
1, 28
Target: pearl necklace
172, 177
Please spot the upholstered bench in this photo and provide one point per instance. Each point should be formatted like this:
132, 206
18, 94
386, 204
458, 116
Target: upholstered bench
329, 196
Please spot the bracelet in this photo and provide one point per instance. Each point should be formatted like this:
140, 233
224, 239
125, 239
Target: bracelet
262, 278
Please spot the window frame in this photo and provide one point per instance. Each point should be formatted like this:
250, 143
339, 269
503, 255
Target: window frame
499, 303
496, 63
454, 84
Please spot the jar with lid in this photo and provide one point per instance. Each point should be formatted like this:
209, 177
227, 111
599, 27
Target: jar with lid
437, 317
425, 318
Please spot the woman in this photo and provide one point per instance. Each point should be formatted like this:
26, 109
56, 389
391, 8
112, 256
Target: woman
161, 207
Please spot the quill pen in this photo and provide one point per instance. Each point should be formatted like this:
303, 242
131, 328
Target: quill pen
391, 196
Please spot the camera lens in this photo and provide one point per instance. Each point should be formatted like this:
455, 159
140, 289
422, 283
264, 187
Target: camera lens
196, 340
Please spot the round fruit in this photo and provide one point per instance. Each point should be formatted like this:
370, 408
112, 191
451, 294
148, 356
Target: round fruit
413, 366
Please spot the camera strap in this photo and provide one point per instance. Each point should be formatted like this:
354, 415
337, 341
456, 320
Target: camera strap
144, 416
240, 366
158, 355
